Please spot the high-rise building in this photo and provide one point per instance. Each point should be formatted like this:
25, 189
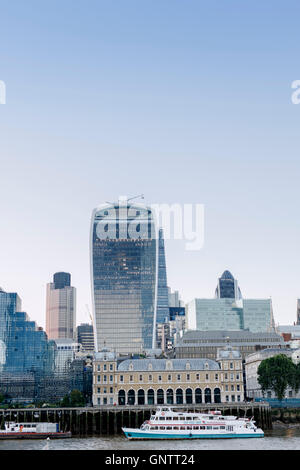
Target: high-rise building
228, 311
85, 336
227, 287
298, 311
162, 313
61, 307
124, 272
24, 346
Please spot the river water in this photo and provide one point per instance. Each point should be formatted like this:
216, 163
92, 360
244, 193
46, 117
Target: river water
279, 439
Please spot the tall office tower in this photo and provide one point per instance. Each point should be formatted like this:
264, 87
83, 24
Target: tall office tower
124, 252
9, 304
162, 313
85, 336
298, 311
24, 347
61, 307
227, 287
229, 311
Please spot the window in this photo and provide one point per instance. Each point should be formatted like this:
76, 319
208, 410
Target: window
121, 378
131, 378
150, 378
111, 390
111, 367
104, 367
98, 378
159, 378
231, 365
104, 378
98, 390
111, 379
169, 378
188, 378
216, 377
141, 378
197, 376
178, 377
98, 368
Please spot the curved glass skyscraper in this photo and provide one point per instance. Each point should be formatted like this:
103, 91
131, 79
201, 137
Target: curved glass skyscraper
124, 267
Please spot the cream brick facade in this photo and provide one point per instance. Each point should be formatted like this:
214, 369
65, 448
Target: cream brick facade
167, 381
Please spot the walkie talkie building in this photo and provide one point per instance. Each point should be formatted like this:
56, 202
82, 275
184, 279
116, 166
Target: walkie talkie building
124, 272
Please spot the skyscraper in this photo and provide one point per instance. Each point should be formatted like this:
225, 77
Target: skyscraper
124, 253
229, 311
61, 307
227, 287
24, 347
162, 313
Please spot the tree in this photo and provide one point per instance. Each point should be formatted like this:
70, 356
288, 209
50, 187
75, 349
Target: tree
75, 398
277, 373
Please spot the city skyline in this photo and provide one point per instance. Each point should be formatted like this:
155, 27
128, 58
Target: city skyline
184, 104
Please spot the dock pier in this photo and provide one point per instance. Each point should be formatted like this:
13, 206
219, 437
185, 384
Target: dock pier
108, 420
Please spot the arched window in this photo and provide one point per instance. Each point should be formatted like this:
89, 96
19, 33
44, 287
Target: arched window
207, 395
141, 397
150, 397
121, 397
131, 397
179, 396
170, 396
160, 396
217, 395
198, 395
189, 396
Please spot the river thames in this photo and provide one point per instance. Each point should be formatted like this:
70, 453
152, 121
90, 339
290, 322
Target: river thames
279, 439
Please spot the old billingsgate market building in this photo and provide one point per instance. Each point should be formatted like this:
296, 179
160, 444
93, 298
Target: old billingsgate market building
167, 381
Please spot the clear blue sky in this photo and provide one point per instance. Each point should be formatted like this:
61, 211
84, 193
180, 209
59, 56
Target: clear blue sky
185, 101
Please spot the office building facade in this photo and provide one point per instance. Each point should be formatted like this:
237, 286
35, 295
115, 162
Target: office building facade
124, 273
61, 307
162, 312
167, 381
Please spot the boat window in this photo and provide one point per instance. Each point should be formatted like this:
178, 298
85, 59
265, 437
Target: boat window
188, 418
202, 427
189, 427
182, 427
176, 427
162, 418
196, 427
195, 417
163, 427
175, 418
168, 418
222, 427
208, 427
168, 427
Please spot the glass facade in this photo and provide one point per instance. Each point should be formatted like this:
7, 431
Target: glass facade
255, 315
29, 369
162, 313
227, 287
124, 254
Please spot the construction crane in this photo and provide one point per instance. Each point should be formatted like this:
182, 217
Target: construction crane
88, 312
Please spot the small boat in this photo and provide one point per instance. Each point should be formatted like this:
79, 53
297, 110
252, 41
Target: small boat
15, 430
168, 424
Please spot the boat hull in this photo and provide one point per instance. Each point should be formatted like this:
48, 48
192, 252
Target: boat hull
34, 435
132, 434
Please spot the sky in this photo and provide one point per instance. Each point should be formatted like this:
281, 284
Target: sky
187, 102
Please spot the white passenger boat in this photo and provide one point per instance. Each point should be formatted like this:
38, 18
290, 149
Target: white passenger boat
32, 431
168, 424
